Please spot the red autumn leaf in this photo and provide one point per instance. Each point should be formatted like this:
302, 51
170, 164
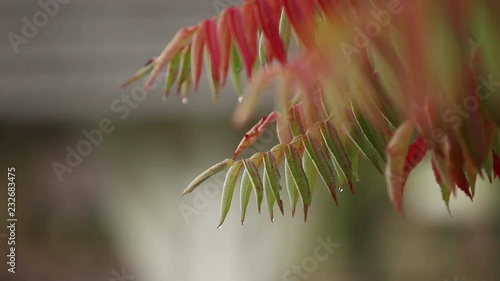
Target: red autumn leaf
463, 184
197, 47
270, 26
276, 6
416, 153
210, 28
496, 164
238, 31
247, 11
224, 33
301, 16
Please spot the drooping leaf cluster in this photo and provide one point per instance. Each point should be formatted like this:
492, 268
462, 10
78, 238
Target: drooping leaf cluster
391, 80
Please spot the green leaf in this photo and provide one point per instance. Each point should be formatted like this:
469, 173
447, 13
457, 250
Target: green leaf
386, 110
184, 89
172, 72
487, 166
273, 177
442, 168
334, 144
295, 121
366, 148
214, 85
236, 68
353, 153
310, 171
471, 179
285, 30
262, 51
228, 190
293, 160
253, 172
375, 139
207, 174
293, 192
339, 176
185, 68
268, 194
326, 171
245, 191
445, 193
445, 190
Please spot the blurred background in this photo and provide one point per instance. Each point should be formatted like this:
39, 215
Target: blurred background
117, 214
